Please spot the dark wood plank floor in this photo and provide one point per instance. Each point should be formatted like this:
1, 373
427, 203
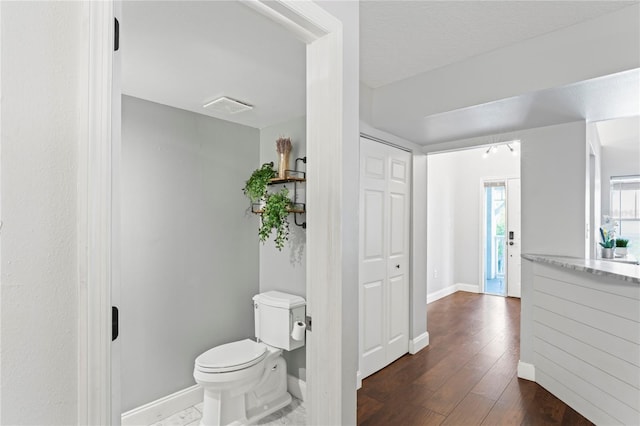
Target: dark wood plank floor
466, 376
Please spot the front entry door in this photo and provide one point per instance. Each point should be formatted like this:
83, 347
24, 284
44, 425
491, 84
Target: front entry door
385, 188
514, 261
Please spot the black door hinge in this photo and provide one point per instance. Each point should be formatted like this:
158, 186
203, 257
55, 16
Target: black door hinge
114, 323
116, 35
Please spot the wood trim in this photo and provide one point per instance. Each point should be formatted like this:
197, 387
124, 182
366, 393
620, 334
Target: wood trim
324, 228
94, 228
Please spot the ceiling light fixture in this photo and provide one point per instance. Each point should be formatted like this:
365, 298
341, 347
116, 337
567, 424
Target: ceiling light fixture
227, 105
494, 148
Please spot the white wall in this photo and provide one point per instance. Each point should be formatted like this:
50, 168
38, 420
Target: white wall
286, 270
44, 93
189, 246
454, 208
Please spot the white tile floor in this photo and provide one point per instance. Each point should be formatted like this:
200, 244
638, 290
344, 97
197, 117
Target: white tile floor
292, 414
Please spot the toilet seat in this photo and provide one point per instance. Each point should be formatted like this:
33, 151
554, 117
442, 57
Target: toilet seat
232, 356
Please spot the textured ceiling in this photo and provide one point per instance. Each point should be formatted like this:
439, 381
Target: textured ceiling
184, 54
602, 98
399, 39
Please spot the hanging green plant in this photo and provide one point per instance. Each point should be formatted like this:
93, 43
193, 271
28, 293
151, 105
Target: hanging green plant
256, 187
275, 217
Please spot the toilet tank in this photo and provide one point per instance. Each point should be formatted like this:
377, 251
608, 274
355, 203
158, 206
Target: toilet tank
276, 314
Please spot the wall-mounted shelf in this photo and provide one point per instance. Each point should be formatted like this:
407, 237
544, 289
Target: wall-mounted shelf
297, 208
296, 177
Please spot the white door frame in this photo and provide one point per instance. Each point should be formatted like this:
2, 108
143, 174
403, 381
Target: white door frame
484, 180
323, 34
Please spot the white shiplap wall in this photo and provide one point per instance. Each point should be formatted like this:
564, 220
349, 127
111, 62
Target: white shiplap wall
586, 342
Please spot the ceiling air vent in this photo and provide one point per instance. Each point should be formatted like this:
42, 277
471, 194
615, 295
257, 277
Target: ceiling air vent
226, 105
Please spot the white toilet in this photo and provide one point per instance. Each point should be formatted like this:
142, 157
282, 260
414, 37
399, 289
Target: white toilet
245, 381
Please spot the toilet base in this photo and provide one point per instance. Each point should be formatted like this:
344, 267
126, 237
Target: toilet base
270, 408
250, 402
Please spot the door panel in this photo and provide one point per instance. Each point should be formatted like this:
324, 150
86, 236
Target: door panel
384, 253
373, 216
397, 238
514, 261
372, 307
396, 301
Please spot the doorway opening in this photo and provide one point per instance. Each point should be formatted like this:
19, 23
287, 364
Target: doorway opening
323, 36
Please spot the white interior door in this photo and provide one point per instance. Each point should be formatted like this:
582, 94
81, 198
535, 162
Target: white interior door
385, 188
514, 260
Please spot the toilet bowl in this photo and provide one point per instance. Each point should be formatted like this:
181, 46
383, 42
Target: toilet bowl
243, 382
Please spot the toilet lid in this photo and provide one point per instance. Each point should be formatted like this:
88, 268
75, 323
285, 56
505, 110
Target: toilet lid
231, 356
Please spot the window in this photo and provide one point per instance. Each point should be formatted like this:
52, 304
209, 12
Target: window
625, 209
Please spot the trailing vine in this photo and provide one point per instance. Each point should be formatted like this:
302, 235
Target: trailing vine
275, 217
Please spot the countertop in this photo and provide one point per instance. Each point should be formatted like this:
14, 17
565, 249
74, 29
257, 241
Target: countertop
623, 271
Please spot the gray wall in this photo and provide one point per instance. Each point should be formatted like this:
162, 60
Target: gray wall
189, 247
286, 270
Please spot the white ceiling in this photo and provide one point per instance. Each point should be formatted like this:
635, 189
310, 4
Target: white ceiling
399, 39
185, 54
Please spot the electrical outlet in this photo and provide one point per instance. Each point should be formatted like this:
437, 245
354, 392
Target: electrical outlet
435, 273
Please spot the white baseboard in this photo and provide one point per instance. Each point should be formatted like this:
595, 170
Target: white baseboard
297, 387
470, 288
526, 371
419, 343
164, 407
358, 380
436, 295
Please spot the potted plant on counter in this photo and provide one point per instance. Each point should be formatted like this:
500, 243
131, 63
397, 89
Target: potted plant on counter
607, 243
621, 246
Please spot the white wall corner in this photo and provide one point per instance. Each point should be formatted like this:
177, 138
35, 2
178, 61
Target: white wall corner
164, 407
436, 295
297, 387
526, 371
358, 380
419, 343
470, 288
